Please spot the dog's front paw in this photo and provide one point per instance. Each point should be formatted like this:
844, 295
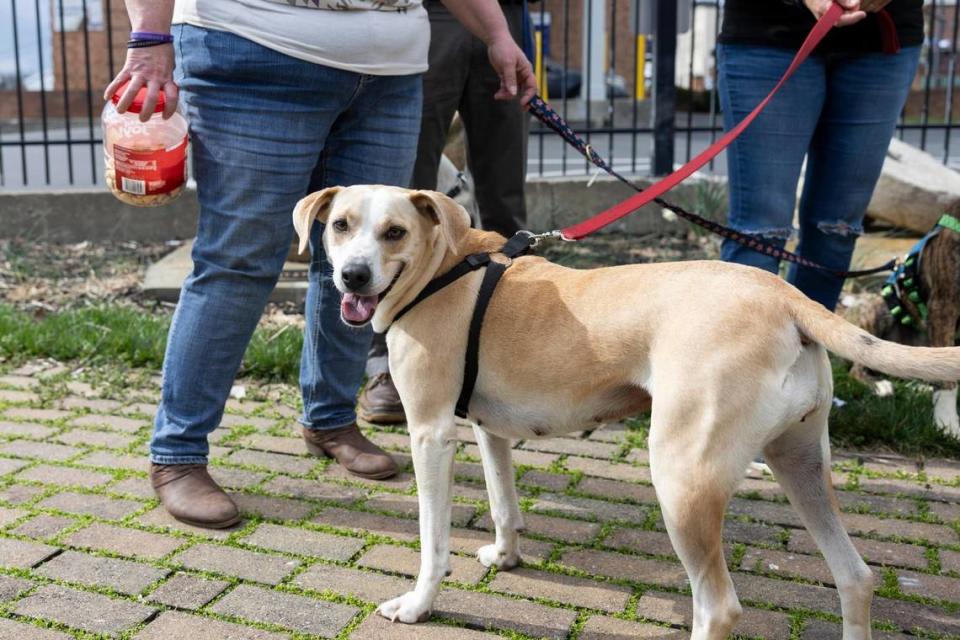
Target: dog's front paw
490, 556
408, 608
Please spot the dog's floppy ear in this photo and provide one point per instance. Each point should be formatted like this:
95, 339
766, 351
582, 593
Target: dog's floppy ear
315, 206
454, 221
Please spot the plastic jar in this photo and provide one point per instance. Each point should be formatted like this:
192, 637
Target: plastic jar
146, 162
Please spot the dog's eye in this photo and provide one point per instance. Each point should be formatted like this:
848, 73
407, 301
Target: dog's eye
340, 225
395, 233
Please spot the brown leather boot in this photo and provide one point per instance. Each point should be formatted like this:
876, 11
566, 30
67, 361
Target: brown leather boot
380, 402
358, 455
190, 495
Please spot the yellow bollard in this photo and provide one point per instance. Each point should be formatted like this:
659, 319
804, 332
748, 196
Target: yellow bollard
640, 82
539, 67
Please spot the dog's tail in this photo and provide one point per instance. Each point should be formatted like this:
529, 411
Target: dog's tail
846, 340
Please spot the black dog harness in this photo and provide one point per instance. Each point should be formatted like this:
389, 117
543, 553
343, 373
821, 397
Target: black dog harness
904, 282
518, 245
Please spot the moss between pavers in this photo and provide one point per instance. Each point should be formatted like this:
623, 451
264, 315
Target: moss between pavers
550, 565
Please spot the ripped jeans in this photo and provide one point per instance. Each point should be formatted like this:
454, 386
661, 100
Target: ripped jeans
838, 110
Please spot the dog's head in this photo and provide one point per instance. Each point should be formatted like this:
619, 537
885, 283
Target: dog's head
384, 244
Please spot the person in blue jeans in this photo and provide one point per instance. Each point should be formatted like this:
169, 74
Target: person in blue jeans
838, 111
284, 97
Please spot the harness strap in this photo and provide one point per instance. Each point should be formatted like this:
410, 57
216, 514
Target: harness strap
456, 189
516, 246
904, 283
472, 363
470, 263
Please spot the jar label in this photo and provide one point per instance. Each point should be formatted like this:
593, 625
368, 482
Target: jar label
148, 172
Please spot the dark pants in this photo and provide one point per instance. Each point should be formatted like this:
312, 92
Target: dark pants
461, 79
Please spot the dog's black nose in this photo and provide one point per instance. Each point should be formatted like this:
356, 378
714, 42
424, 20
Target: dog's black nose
355, 276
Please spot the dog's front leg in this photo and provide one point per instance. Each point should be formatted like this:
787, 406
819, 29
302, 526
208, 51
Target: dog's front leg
433, 448
504, 504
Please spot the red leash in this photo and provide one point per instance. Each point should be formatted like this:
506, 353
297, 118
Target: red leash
602, 219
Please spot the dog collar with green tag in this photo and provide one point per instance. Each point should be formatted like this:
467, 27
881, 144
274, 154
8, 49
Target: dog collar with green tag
947, 221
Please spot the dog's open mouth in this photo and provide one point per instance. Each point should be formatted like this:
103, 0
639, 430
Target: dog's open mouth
357, 310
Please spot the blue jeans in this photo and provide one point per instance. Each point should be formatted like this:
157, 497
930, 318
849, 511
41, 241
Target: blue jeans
266, 130
837, 110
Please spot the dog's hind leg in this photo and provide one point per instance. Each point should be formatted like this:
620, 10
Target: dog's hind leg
504, 504
800, 459
694, 484
433, 446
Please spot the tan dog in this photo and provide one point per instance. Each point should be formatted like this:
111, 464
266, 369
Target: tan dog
734, 358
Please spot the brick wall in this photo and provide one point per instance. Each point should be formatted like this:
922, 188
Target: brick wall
71, 43
69, 47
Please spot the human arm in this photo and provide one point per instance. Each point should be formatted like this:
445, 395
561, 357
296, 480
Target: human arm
484, 19
148, 66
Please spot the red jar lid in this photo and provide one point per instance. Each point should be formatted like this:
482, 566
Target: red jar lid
137, 105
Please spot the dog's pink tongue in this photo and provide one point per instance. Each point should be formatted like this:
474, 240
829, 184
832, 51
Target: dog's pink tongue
358, 308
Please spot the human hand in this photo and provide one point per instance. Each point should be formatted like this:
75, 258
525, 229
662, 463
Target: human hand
151, 67
516, 74
852, 12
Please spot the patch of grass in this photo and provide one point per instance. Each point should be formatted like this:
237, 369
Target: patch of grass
902, 422
274, 355
707, 198
86, 334
114, 334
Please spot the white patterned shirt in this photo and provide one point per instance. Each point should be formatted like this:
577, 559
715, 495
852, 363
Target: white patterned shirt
376, 37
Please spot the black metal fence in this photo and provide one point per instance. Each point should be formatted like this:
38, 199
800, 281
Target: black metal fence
635, 77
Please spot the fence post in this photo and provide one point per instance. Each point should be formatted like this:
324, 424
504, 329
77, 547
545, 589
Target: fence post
664, 85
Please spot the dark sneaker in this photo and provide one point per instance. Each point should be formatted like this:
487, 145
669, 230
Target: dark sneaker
350, 448
380, 402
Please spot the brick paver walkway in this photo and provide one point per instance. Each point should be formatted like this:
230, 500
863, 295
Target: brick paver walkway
85, 550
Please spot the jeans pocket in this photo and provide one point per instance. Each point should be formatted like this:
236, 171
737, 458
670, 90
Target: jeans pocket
213, 54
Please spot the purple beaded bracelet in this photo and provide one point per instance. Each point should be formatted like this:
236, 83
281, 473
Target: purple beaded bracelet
151, 36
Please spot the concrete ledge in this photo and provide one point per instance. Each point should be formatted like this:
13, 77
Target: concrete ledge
163, 279
94, 214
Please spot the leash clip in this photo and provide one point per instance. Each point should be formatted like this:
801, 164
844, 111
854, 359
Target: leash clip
537, 238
